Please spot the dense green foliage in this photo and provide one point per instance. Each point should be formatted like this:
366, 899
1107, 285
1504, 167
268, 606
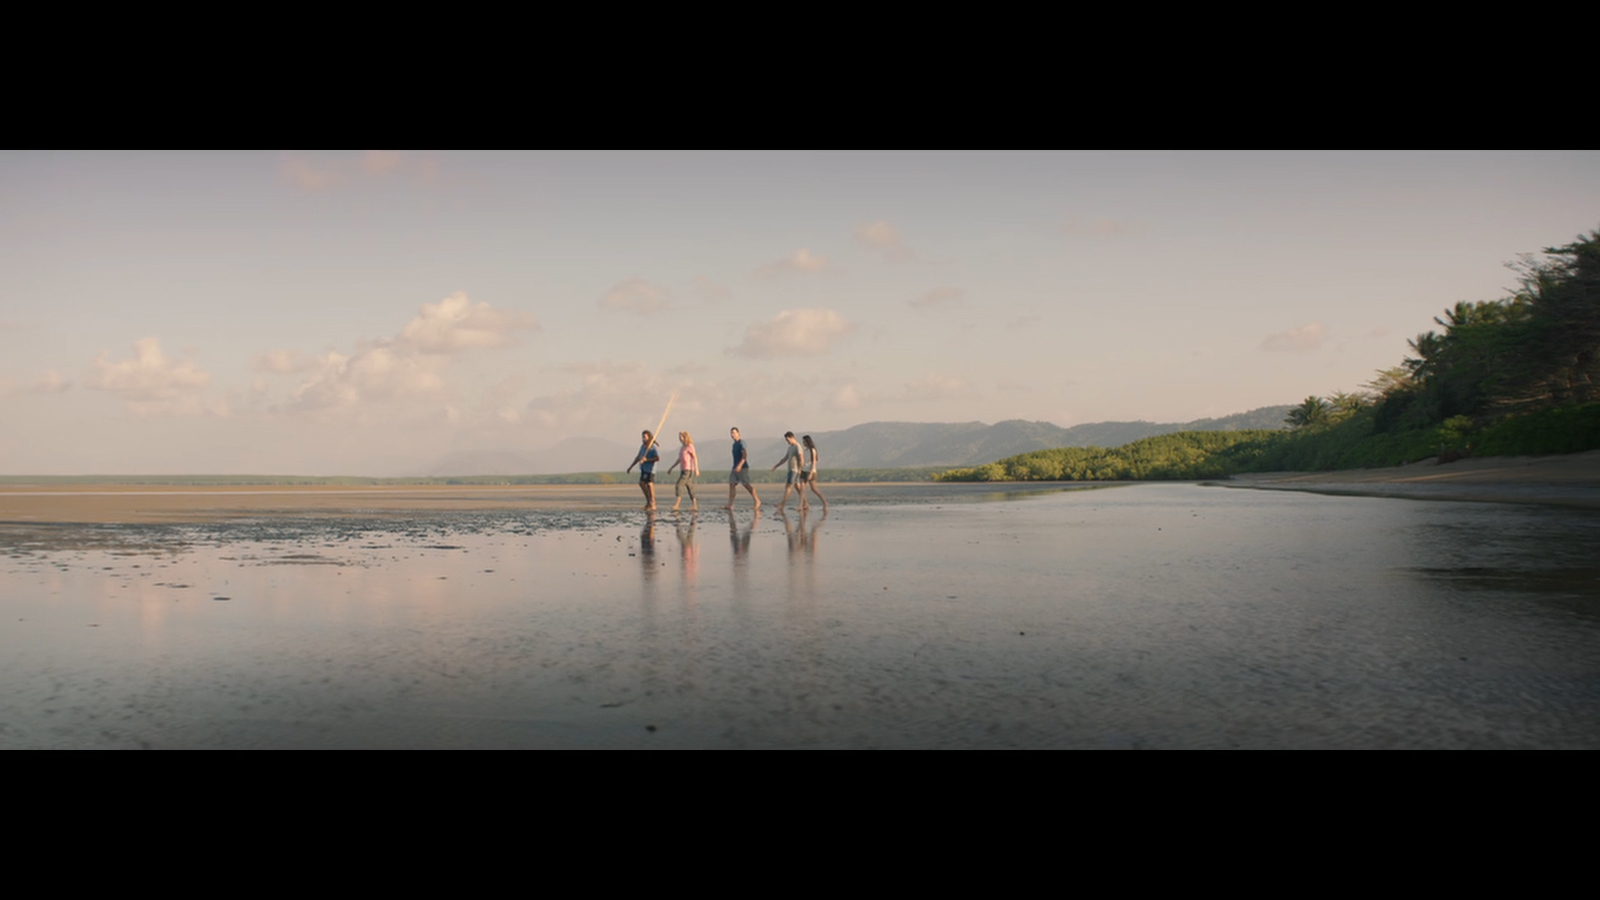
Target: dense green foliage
1185, 455
1515, 376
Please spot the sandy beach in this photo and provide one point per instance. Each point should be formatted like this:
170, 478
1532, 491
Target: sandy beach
1148, 615
1567, 480
149, 504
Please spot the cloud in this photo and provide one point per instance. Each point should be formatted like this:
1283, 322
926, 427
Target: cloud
636, 295
799, 261
1103, 228
456, 323
411, 364
150, 384
305, 174
1023, 323
938, 298
281, 361
324, 174
795, 332
710, 290
845, 397
884, 238
49, 383
375, 373
1308, 337
935, 387
149, 375
1005, 384
624, 397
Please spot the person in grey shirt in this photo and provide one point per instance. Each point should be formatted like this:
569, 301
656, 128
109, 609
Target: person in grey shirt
792, 457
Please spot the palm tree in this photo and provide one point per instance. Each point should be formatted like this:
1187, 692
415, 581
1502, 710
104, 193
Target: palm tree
1314, 411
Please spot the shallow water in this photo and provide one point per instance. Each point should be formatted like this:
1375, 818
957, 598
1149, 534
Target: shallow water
1144, 616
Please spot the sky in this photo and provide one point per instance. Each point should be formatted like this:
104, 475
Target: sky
370, 312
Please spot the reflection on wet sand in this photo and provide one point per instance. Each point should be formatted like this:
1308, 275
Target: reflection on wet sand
1148, 616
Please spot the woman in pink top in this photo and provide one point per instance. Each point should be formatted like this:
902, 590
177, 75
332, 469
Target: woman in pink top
688, 465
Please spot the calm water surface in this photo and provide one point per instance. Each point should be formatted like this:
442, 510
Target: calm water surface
1144, 616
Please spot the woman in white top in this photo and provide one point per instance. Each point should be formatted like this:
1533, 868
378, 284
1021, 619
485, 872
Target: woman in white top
690, 464
809, 474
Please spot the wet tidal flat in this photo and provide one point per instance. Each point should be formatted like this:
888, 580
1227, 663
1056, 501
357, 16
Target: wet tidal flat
1139, 616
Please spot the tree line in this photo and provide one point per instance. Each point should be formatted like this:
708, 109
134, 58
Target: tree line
1513, 376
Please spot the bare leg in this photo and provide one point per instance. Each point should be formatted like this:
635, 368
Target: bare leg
751, 488
813, 484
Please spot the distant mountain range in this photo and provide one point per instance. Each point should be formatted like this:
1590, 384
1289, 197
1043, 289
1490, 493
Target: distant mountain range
872, 445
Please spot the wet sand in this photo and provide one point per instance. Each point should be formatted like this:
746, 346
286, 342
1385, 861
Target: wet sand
1571, 479
146, 504
1139, 616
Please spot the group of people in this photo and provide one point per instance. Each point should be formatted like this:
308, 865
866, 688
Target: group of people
801, 460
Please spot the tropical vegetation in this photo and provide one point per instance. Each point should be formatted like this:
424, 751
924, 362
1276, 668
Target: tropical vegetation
1513, 376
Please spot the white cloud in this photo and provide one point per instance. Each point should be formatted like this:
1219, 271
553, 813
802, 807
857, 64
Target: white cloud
373, 374
636, 295
307, 175
801, 260
935, 387
795, 332
409, 365
1308, 337
938, 298
710, 290
281, 361
455, 324
845, 397
323, 173
884, 238
1103, 228
49, 383
149, 375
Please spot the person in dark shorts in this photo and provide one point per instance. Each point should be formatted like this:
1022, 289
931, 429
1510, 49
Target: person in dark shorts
741, 471
646, 461
792, 457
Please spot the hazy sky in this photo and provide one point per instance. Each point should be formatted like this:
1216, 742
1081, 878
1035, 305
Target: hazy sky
369, 312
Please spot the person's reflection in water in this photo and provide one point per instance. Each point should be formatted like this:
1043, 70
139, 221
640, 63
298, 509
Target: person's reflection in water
741, 554
741, 542
647, 546
689, 549
811, 538
796, 536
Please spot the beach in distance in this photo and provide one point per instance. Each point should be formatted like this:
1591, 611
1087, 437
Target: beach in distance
1146, 615
1568, 479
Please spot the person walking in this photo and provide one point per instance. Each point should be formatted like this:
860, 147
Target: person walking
646, 461
689, 465
808, 474
741, 471
792, 457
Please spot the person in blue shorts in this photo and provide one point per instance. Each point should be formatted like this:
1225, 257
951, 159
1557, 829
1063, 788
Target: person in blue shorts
741, 471
792, 457
646, 461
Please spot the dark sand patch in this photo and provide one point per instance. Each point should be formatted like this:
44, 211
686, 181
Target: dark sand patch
1571, 479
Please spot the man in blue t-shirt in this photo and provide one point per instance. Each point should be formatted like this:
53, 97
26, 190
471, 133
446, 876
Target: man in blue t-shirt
646, 461
741, 471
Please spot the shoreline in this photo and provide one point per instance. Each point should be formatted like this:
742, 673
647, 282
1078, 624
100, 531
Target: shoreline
164, 504
1571, 479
